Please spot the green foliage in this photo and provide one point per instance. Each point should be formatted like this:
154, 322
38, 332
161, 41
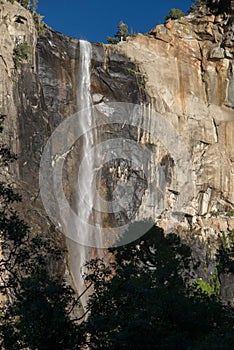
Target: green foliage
216, 213
230, 213
143, 301
37, 315
122, 31
39, 318
210, 288
225, 254
39, 24
21, 53
175, 14
121, 34
136, 72
111, 40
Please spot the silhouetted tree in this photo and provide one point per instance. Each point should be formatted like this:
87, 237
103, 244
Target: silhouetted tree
36, 312
143, 301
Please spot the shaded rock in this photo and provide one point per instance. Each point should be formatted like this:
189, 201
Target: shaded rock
217, 53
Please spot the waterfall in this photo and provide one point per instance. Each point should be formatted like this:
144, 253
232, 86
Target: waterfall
86, 189
80, 254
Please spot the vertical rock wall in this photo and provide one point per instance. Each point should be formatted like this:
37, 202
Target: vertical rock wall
182, 70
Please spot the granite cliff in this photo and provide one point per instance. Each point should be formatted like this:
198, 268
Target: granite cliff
183, 70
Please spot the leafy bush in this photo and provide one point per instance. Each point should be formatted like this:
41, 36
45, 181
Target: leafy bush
21, 53
175, 14
39, 24
210, 288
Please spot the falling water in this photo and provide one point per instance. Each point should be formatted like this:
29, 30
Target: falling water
86, 115
80, 254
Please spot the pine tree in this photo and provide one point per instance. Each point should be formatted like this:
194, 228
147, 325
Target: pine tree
121, 34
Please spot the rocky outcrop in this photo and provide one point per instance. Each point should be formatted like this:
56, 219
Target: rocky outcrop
188, 70
182, 70
26, 125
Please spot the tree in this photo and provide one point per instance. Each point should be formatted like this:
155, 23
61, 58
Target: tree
225, 254
174, 14
143, 301
39, 319
121, 34
37, 310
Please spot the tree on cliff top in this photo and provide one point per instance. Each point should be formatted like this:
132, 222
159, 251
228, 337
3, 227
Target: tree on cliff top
121, 34
174, 14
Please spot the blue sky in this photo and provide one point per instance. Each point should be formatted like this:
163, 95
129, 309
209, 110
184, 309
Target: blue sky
93, 20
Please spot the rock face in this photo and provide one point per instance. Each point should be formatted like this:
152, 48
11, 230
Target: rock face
188, 70
182, 70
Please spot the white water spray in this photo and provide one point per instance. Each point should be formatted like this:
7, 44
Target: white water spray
79, 254
86, 188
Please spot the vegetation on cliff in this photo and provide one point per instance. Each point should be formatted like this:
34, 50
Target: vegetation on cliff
145, 297
141, 299
36, 304
175, 14
144, 300
148, 302
21, 53
216, 6
121, 34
